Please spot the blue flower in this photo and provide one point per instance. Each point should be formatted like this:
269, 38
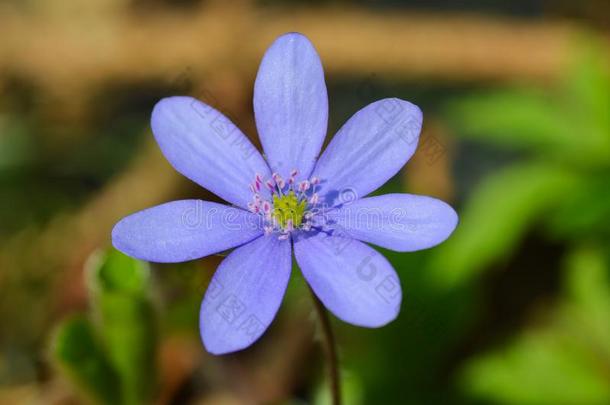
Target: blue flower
289, 200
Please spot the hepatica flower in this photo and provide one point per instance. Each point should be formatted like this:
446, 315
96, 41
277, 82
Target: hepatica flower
288, 200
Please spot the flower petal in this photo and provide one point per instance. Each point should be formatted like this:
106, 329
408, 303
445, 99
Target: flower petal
352, 280
245, 294
205, 146
184, 230
291, 105
370, 148
401, 222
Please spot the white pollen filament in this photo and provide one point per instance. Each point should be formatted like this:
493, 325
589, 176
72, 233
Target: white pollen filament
304, 185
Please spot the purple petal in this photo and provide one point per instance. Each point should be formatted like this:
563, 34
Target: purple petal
245, 294
370, 148
184, 230
401, 222
205, 146
352, 280
291, 105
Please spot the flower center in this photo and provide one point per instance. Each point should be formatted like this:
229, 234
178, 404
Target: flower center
291, 207
287, 208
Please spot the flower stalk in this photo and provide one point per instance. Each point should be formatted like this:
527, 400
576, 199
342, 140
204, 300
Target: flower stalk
330, 348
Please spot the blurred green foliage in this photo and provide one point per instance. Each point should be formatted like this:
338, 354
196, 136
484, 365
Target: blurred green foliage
562, 182
351, 390
110, 355
565, 360
559, 187
82, 360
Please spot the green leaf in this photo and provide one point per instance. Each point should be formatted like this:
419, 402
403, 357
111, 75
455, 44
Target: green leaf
78, 355
585, 213
124, 313
570, 122
588, 283
539, 368
587, 86
16, 144
498, 213
351, 390
562, 361
527, 119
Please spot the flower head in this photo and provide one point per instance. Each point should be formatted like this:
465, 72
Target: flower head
291, 200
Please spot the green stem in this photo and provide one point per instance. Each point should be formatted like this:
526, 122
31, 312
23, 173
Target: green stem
330, 348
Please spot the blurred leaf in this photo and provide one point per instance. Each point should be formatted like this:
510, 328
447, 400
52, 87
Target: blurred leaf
571, 122
119, 287
563, 362
431, 324
184, 285
118, 273
498, 213
16, 144
514, 117
587, 85
79, 356
351, 390
588, 282
539, 368
585, 212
